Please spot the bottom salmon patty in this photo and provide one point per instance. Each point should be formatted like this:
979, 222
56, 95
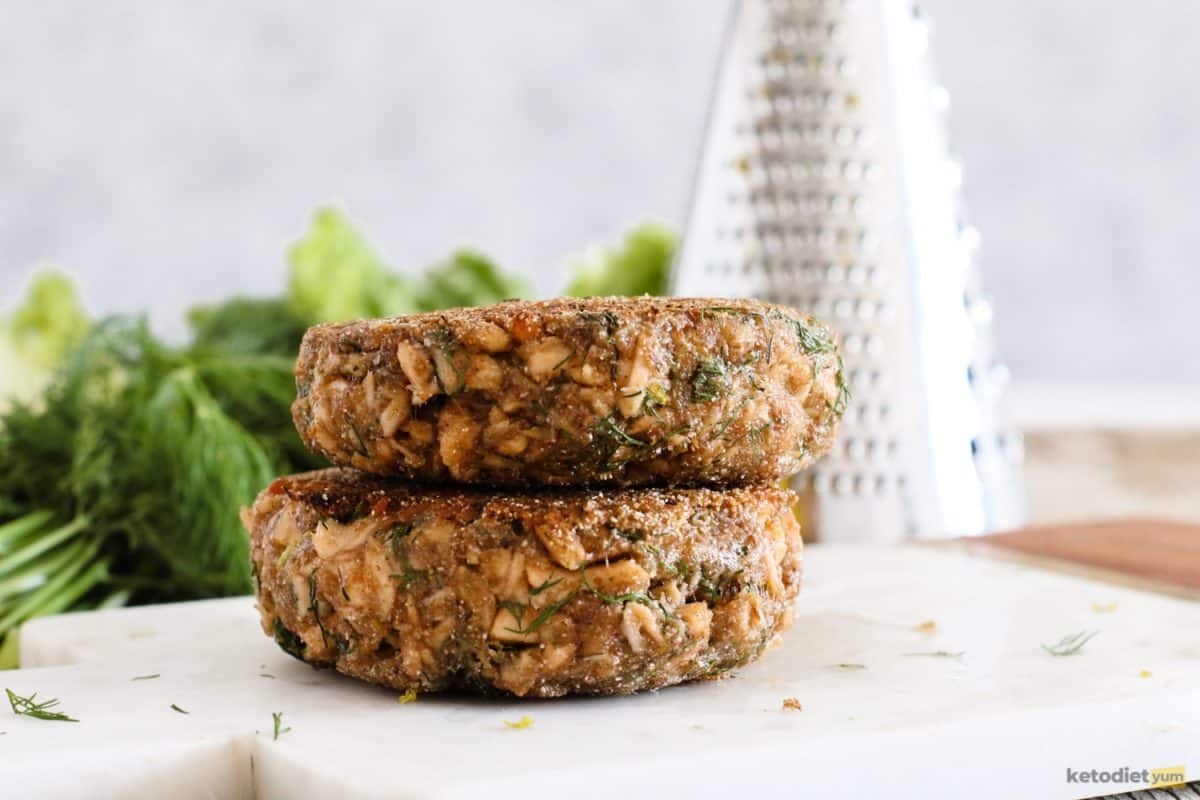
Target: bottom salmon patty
540, 594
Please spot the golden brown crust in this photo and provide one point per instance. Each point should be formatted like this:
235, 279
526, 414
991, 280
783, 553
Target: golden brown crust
544, 594
599, 391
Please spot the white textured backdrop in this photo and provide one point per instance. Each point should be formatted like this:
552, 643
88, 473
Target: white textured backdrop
167, 152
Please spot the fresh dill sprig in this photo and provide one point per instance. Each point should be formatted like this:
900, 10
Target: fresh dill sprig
1071, 644
180, 710
278, 729
30, 707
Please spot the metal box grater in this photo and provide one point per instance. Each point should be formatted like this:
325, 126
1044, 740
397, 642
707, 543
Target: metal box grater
825, 183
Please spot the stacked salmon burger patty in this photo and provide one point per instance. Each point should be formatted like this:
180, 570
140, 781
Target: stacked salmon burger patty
570, 496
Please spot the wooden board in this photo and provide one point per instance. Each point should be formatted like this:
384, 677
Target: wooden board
1156, 554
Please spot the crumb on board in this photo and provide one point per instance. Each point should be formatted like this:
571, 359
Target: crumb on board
408, 696
1145, 673
1104, 608
524, 722
792, 704
928, 626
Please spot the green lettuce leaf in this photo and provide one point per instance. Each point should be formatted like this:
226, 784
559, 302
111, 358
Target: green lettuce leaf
36, 336
335, 275
467, 278
641, 265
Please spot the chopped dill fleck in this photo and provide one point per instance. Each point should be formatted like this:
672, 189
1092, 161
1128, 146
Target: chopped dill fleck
608, 438
812, 336
563, 363
410, 694
620, 599
757, 435
710, 380
606, 319
180, 710
524, 722
630, 536
940, 654
1070, 645
583, 585
545, 614
361, 445
144, 677
516, 609
397, 533
654, 397
288, 640
314, 606
549, 583
610, 426
410, 576
30, 707
278, 729
849, 666
448, 349
843, 398
725, 423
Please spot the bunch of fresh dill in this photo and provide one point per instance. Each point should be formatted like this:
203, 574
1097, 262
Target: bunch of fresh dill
124, 482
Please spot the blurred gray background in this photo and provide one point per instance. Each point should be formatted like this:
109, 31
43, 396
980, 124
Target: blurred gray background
167, 152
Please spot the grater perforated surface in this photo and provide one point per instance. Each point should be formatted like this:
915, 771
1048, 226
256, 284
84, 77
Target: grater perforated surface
826, 184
